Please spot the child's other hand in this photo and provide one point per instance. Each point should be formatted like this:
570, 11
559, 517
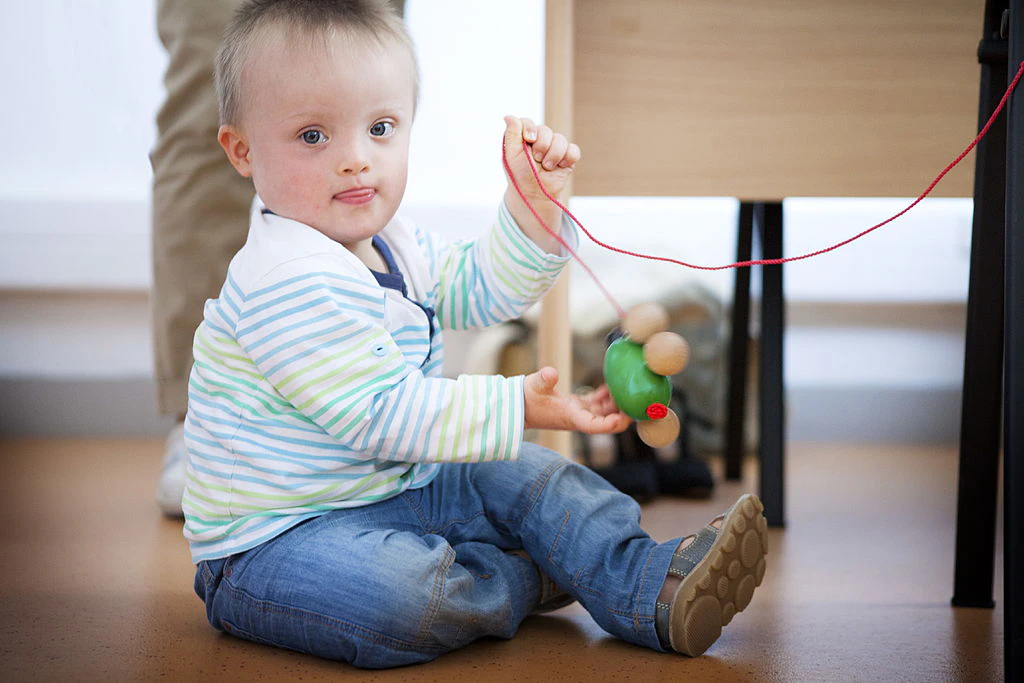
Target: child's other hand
553, 155
546, 408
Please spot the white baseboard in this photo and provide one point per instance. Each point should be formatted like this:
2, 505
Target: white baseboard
919, 415
80, 408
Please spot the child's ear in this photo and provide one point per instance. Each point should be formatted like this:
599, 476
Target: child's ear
236, 147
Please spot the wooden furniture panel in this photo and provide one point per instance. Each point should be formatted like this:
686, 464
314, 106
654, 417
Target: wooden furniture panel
762, 99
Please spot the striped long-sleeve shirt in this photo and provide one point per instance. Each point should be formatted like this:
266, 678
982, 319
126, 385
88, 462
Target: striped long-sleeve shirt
317, 382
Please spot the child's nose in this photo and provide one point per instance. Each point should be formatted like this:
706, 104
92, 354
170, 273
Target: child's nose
354, 168
354, 161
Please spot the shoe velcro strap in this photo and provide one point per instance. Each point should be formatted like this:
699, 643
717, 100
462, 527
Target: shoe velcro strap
683, 561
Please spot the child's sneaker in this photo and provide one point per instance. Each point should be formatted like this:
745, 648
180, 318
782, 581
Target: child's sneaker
719, 570
172, 476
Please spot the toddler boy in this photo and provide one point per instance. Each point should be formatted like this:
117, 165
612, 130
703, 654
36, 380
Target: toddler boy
345, 499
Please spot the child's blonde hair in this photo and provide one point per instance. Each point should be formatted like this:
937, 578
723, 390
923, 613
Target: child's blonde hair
375, 20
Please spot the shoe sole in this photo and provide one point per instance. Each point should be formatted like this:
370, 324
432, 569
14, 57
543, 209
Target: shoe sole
723, 582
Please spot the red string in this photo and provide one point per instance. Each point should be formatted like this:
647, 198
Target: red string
741, 264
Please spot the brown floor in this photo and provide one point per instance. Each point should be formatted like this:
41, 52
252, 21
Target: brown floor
96, 585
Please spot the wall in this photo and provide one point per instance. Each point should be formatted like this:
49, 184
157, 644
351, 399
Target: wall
876, 326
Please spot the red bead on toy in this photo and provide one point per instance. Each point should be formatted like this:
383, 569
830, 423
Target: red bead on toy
657, 411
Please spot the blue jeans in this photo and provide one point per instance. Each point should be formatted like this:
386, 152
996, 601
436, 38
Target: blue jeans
412, 577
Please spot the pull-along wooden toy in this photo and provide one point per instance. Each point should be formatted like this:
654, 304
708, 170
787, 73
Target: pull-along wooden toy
637, 365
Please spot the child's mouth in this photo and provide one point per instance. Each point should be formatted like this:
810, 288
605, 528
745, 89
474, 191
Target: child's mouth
356, 196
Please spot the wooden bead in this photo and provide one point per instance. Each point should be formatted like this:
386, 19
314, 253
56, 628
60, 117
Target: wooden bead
659, 433
666, 353
643, 320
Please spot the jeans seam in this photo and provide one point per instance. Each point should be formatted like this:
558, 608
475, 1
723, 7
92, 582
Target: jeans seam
640, 590
558, 536
340, 625
436, 596
416, 508
551, 558
427, 525
452, 522
541, 482
576, 583
635, 615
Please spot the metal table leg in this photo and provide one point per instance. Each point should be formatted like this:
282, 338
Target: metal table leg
772, 389
1013, 456
736, 402
980, 416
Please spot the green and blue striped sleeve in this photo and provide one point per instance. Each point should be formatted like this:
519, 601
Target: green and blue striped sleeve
495, 278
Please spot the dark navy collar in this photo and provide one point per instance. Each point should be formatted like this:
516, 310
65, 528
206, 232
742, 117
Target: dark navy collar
393, 278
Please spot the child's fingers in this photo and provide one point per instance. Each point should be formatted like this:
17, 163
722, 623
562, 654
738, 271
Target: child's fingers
516, 131
619, 423
543, 143
600, 405
550, 377
607, 406
596, 413
607, 424
550, 150
602, 399
513, 134
543, 381
571, 156
529, 129
556, 152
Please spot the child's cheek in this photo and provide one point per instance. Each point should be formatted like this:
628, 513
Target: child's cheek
297, 184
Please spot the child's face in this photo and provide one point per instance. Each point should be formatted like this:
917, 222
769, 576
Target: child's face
325, 133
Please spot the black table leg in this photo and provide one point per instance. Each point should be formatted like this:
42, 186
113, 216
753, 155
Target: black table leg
736, 401
1013, 444
771, 384
981, 414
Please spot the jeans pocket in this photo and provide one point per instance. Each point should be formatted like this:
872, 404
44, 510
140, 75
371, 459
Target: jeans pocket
208, 573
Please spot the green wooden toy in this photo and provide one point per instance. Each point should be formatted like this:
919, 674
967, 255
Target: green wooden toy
636, 370
634, 387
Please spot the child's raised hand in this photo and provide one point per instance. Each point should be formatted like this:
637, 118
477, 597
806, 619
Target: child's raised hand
592, 413
554, 158
553, 155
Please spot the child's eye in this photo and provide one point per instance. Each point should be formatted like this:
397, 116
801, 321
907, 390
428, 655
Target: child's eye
382, 129
313, 137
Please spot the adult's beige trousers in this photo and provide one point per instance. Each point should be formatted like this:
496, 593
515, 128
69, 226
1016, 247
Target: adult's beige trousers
200, 204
